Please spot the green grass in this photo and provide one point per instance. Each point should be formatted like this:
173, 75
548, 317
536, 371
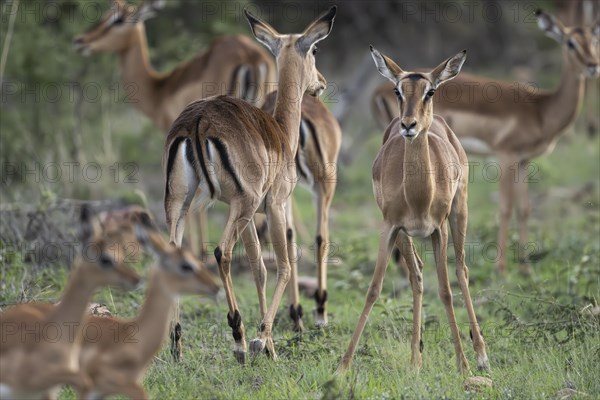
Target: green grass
539, 335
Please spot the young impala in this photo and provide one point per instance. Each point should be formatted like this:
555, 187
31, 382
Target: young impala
40, 344
517, 126
420, 184
117, 366
316, 165
236, 153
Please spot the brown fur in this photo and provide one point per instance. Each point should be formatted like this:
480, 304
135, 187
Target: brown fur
242, 135
420, 178
117, 364
162, 96
32, 364
518, 126
320, 152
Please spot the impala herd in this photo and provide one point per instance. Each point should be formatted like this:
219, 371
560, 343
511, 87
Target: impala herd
223, 146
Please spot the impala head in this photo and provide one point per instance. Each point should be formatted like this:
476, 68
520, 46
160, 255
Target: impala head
415, 90
117, 27
104, 252
580, 44
180, 271
296, 51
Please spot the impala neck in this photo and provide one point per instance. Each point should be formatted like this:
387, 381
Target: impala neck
561, 107
153, 320
74, 302
139, 78
288, 104
418, 174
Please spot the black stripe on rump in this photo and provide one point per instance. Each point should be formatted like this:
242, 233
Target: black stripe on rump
300, 167
313, 133
226, 161
233, 82
201, 161
302, 133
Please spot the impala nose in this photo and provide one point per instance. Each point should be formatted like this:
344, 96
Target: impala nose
593, 70
408, 125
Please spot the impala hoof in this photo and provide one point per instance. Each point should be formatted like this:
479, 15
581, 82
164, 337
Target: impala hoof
299, 326
240, 356
320, 319
257, 346
296, 315
483, 364
341, 369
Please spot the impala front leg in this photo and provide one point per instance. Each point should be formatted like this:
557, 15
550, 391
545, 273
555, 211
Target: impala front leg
277, 227
386, 242
407, 253
458, 227
259, 271
439, 239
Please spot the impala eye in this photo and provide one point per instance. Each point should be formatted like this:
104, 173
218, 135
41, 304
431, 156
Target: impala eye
571, 44
119, 20
315, 50
105, 261
430, 93
187, 267
397, 92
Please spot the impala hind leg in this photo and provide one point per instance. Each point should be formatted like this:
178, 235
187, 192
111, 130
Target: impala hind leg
414, 265
458, 226
239, 217
296, 311
523, 208
324, 190
259, 271
181, 185
277, 226
386, 243
439, 239
506, 206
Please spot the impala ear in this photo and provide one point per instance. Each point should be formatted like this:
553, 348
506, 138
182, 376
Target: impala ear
386, 66
316, 31
449, 68
550, 25
264, 33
